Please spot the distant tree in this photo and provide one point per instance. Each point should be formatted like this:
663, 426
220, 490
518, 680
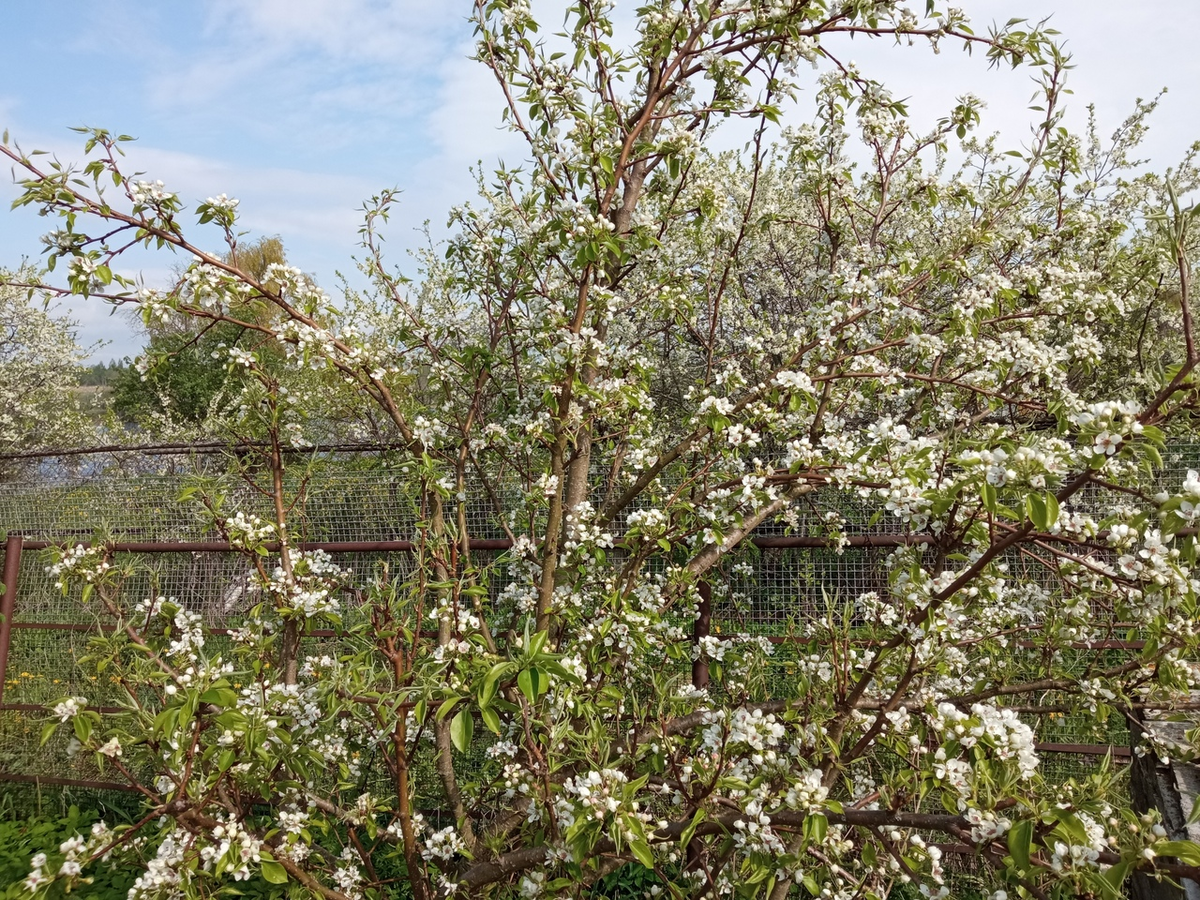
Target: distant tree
39, 371
104, 374
182, 381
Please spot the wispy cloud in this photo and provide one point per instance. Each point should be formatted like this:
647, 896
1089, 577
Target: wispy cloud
313, 54
404, 32
295, 202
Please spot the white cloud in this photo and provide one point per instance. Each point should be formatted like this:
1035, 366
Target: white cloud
396, 32
465, 125
1114, 64
311, 53
107, 332
463, 129
274, 200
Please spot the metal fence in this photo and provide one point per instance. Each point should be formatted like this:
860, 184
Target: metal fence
355, 507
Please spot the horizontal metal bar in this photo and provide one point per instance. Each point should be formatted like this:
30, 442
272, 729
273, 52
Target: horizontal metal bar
105, 626
202, 447
763, 543
1092, 645
1024, 645
226, 547
791, 541
41, 707
773, 638
1117, 752
1078, 749
66, 782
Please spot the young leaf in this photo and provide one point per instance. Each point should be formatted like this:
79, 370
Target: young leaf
1020, 840
641, 850
273, 872
461, 727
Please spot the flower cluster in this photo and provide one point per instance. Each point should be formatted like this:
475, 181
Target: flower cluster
81, 563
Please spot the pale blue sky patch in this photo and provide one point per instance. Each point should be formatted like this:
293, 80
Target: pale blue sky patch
303, 108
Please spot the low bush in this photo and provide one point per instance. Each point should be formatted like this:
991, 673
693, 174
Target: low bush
22, 838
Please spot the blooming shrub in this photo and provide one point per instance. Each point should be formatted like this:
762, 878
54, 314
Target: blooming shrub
638, 352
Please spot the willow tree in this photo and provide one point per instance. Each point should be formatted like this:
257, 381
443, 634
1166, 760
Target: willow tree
637, 353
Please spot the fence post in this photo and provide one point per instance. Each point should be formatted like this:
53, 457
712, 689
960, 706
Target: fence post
1156, 787
12, 566
702, 629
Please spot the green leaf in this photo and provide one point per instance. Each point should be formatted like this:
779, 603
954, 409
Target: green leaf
1035, 508
1052, 510
1020, 841
690, 831
447, 706
530, 683
461, 727
987, 493
226, 698
537, 642
557, 668
166, 721
641, 850
273, 872
491, 682
1113, 880
815, 828
1185, 851
1153, 455
491, 719
83, 728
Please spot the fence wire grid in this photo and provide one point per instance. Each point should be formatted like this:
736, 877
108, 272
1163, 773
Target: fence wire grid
347, 497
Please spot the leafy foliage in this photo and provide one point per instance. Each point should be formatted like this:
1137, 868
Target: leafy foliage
22, 838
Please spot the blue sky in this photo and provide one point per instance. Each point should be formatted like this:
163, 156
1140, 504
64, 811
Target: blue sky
302, 108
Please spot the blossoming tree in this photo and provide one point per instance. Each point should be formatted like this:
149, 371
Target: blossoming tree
39, 372
638, 352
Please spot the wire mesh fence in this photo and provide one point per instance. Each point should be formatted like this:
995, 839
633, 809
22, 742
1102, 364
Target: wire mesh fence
770, 589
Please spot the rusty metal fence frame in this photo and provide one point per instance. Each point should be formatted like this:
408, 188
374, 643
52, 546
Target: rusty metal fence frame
16, 545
